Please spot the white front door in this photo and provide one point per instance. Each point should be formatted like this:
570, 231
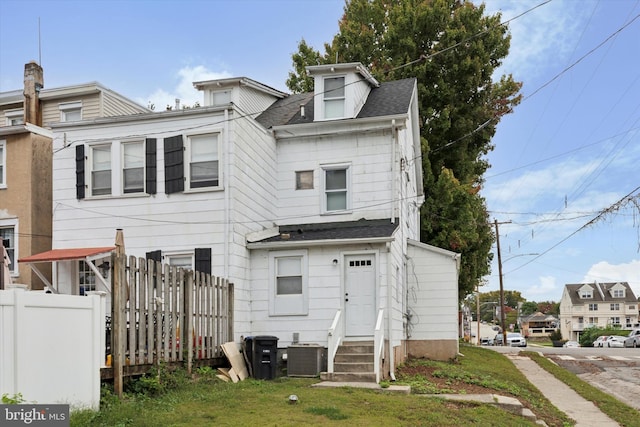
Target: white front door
360, 295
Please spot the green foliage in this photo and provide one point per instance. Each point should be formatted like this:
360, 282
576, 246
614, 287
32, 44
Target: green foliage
156, 382
12, 399
556, 335
528, 307
589, 335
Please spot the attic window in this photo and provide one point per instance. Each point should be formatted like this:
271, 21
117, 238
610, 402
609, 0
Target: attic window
618, 293
14, 117
221, 97
334, 98
70, 111
586, 293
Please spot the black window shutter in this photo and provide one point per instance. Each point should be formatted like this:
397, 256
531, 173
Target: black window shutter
150, 165
203, 260
155, 255
80, 171
173, 164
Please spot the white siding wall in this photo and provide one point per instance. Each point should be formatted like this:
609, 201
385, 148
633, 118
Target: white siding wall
371, 176
91, 108
433, 289
253, 102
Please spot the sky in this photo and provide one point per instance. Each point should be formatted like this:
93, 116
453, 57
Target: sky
562, 158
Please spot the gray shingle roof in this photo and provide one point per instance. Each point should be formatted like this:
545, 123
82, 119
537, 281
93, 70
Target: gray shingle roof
360, 229
574, 293
390, 98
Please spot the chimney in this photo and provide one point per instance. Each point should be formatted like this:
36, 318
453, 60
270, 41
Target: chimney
33, 82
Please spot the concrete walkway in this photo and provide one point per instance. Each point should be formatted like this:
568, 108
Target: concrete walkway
585, 413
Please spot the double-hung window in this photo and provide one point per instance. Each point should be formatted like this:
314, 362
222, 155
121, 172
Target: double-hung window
133, 157
618, 293
593, 307
3, 162
614, 307
288, 293
8, 237
334, 97
336, 188
203, 161
100, 170
70, 111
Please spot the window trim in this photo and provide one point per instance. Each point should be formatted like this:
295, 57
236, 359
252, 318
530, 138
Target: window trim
92, 147
122, 168
334, 99
13, 223
289, 305
593, 307
187, 162
70, 107
14, 114
3, 163
338, 166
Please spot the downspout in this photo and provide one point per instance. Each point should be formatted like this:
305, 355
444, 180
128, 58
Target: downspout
227, 191
392, 374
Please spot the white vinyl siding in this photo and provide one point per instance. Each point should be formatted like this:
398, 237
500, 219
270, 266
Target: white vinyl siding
14, 117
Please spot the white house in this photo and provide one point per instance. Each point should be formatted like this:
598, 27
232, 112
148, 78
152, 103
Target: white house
308, 203
603, 305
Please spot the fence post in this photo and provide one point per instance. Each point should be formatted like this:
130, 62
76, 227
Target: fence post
188, 318
230, 311
118, 337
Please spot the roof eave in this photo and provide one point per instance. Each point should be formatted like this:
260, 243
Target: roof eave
315, 243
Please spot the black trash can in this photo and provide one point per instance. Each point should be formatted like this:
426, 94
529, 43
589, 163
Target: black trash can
264, 357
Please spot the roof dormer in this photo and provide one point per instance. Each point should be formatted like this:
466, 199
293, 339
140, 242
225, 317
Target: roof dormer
586, 292
340, 90
249, 95
618, 291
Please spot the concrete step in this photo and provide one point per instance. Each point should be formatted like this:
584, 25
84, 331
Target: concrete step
354, 358
344, 377
353, 367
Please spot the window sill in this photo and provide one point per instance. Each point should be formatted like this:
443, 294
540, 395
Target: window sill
329, 213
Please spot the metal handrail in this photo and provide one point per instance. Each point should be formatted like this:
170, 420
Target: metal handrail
334, 339
378, 344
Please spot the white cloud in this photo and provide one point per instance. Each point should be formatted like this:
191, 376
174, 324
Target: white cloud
625, 272
183, 89
542, 35
546, 286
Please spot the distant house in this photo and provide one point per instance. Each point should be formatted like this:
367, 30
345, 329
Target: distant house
309, 204
538, 324
597, 304
26, 154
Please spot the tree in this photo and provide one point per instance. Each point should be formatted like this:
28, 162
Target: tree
452, 49
528, 307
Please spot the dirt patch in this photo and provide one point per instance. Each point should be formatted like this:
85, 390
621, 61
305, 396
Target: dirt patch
444, 385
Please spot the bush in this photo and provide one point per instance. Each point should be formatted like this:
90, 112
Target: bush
555, 335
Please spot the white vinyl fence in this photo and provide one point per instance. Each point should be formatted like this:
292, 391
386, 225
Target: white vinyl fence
52, 347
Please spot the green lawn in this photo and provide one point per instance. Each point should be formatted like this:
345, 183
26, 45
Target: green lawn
173, 399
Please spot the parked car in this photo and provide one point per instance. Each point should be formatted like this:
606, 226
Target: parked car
485, 341
571, 344
600, 341
497, 340
616, 341
633, 339
515, 339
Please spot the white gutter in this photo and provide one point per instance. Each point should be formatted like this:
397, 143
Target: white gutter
310, 243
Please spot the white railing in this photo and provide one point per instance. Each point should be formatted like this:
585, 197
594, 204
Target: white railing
378, 344
334, 339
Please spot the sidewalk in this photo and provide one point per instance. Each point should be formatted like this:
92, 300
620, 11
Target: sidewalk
585, 413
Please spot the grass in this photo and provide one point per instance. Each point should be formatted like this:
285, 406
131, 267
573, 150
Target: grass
616, 410
175, 399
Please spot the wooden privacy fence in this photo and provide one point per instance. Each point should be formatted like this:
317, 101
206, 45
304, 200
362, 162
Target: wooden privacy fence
166, 314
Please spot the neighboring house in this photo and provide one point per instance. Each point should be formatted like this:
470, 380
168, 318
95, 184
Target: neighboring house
538, 325
309, 204
26, 157
597, 304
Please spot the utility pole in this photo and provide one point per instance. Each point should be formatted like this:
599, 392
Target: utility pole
502, 316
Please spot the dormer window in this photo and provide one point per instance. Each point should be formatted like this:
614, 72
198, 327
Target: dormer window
586, 293
618, 293
221, 97
334, 98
